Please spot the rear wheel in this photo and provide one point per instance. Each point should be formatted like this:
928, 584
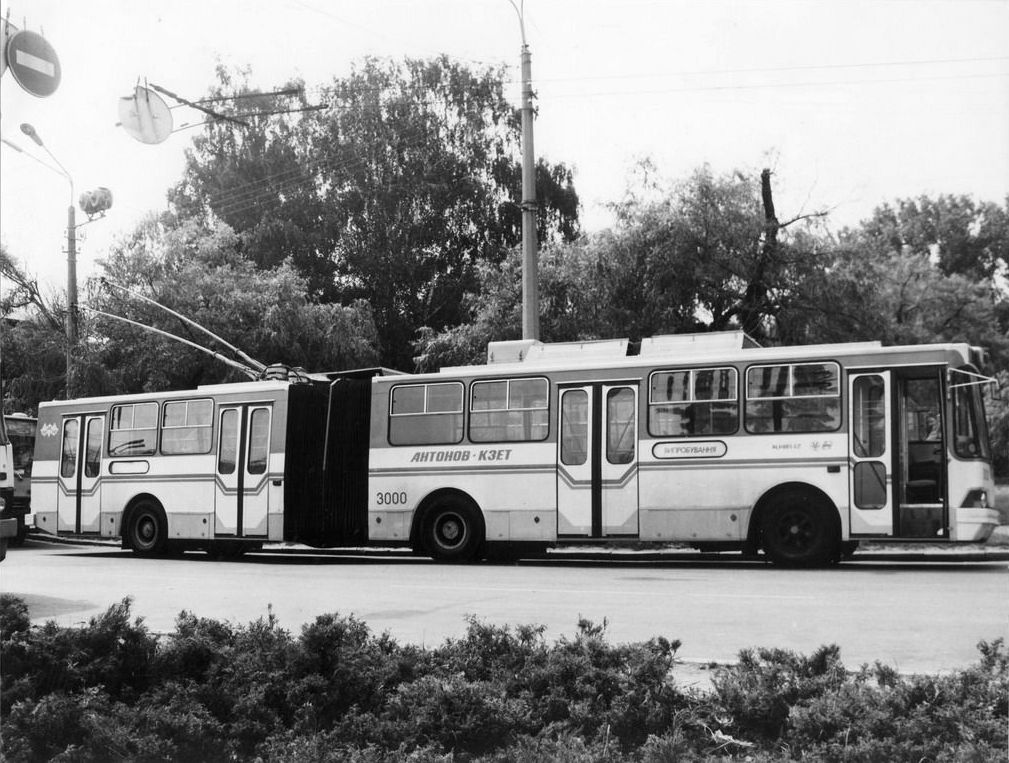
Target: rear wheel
147, 533
798, 530
19, 540
452, 530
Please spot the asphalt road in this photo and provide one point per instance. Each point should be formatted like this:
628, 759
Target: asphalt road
914, 616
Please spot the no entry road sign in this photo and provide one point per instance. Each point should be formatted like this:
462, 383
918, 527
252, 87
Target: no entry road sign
33, 63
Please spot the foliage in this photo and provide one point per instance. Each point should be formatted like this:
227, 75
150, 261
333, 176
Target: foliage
704, 254
963, 236
217, 691
393, 193
200, 273
32, 339
709, 253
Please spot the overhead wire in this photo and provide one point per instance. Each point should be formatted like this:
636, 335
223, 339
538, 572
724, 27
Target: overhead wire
239, 199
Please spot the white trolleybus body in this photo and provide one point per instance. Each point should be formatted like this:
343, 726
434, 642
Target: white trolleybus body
223, 467
702, 439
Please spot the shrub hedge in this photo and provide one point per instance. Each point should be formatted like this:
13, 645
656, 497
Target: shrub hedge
337, 692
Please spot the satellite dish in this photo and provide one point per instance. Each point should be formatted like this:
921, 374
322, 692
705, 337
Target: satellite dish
145, 116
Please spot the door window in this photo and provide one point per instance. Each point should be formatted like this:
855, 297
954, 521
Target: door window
93, 448
575, 427
868, 424
229, 442
870, 485
259, 440
68, 459
621, 429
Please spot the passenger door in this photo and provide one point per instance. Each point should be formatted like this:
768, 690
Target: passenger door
871, 454
243, 461
597, 461
78, 501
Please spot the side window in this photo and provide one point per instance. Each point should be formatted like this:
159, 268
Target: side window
133, 429
187, 426
970, 439
698, 401
426, 414
510, 410
68, 455
798, 397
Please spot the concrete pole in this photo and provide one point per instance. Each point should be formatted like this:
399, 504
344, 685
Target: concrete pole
530, 276
71, 291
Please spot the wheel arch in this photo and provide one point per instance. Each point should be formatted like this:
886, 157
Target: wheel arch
432, 499
754, 538
131, 507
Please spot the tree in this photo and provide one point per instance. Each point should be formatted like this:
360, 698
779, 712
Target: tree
200, 273
961, 235
393, 194
704, 254
32, 339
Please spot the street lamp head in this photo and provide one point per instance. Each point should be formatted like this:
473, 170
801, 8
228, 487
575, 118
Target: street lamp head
28, 130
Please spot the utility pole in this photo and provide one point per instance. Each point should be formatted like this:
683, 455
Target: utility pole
530, 277
93, 203
71, 284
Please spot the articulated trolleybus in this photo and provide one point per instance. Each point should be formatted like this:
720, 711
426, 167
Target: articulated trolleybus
704, 439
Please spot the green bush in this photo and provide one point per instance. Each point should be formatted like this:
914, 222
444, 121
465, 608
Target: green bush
214, 691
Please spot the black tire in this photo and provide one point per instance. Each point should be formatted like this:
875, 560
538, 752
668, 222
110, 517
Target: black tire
19, 540
798, 530
147, 533
452, 530
848, 549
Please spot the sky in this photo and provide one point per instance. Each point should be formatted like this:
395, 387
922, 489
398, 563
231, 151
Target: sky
851, 103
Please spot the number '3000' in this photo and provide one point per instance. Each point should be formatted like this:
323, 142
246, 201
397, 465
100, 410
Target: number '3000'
391, 499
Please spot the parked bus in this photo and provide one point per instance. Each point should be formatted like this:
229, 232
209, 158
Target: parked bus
707, 440
21, 433
8, 520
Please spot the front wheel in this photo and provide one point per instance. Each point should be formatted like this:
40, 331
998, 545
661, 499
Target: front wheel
798, 531
452, 530
147, 533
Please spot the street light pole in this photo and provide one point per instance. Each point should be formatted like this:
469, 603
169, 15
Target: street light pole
530, 277
28, 130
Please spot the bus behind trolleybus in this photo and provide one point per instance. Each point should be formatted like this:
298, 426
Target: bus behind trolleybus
702, 439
